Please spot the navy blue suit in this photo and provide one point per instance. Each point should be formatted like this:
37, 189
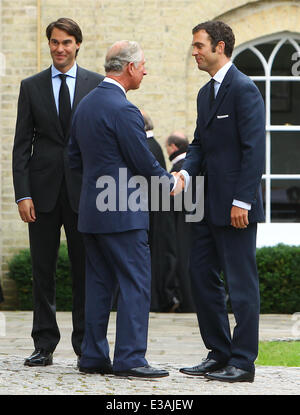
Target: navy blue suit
229, 149
108, 135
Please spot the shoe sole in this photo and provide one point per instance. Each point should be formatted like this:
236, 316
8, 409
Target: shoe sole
128, 375
199, 374
193, 374
231, 380
96, 372
38, 365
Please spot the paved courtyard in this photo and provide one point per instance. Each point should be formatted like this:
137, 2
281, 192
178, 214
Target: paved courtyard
174, 342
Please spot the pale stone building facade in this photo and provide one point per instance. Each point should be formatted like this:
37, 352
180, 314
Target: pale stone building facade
168, 93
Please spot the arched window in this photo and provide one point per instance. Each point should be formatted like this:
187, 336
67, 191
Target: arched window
273, 63
2, 64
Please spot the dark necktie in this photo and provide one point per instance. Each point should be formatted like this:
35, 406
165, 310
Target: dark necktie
64, 104
212, 92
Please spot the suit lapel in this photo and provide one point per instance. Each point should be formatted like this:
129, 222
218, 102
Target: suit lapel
80, 87
220, 95
46, 91
204, 103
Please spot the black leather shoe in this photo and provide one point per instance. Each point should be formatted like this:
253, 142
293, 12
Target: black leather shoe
231, 374
103, 370
39, 357
143, 372
207, 365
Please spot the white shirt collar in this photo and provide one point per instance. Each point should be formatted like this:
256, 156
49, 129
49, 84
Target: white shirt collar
149, 133
113, 81
71, 72
220, 75
177, 158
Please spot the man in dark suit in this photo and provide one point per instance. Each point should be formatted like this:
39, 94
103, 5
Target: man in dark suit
162, 242
153, 144
46, 190
229, 150
108, 143
176, 146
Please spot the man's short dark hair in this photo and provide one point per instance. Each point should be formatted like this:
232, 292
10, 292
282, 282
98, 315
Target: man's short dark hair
218, 31
68, 25
180, 142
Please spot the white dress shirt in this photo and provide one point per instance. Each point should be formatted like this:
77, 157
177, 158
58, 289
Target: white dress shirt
113, 81
218, 77
70, 80
178, 158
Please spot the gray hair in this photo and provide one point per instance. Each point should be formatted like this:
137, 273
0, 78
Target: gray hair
120, 54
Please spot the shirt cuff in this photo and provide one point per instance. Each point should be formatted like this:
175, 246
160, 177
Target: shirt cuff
23, 198
242, 205
175, 183
186, 179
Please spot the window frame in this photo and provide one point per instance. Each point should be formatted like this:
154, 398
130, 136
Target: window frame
282, 38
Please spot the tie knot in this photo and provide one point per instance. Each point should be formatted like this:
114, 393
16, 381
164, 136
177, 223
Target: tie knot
63, 77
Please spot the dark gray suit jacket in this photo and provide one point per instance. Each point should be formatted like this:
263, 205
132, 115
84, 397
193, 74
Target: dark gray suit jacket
40, 148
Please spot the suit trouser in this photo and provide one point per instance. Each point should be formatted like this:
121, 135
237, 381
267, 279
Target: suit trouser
121, 259
233, 251
44, 236
183, 239
162, 242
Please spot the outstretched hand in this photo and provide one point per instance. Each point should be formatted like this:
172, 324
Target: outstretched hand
179, 185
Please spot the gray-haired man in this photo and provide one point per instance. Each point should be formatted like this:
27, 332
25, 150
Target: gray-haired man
107, 136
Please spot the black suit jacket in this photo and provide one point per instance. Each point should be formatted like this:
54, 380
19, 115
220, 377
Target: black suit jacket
40, 159
156, 150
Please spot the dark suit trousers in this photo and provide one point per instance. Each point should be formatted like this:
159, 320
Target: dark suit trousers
234, 252
121, 259
44, 235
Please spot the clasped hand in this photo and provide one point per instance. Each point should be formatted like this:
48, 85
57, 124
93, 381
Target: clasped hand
179, 185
